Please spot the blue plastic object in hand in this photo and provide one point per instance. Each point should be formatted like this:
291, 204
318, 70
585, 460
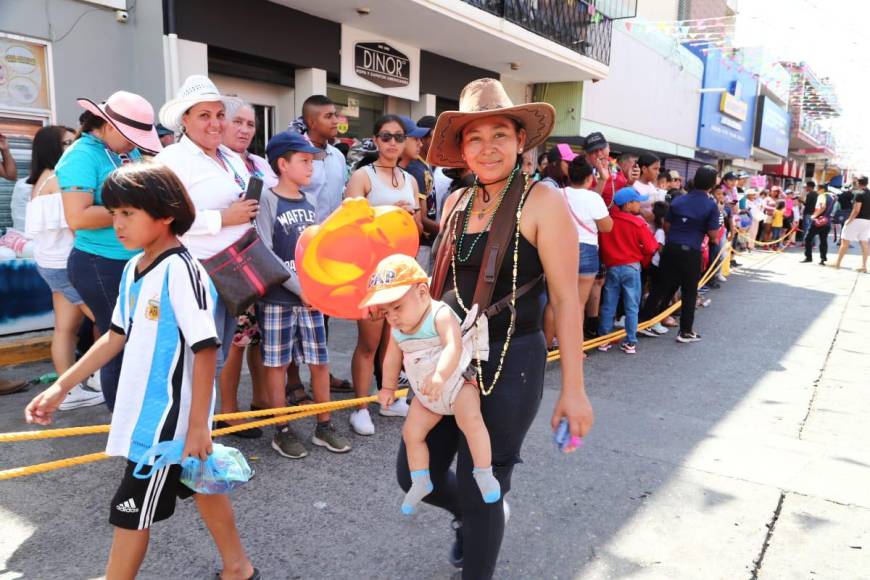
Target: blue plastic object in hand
224, 470
563, 438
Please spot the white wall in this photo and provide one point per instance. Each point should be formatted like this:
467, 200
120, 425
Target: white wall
650, 91
658, 10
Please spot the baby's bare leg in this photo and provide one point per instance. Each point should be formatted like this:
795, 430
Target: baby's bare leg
417, 425
470, 421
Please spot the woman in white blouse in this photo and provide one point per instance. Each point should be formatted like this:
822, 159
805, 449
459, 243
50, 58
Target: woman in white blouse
215, 177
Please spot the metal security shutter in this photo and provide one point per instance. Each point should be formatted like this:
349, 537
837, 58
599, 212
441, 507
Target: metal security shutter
21, 149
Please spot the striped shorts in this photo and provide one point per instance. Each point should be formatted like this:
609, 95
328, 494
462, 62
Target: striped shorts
292, 333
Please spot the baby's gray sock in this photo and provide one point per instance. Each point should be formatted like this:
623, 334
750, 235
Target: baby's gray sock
489, 486
421, 486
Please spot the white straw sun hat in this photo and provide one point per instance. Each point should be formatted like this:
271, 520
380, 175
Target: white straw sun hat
195, 89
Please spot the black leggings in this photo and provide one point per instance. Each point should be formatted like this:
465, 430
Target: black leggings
822, 232
508, 413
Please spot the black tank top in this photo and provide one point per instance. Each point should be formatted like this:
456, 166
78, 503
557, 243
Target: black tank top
530, 306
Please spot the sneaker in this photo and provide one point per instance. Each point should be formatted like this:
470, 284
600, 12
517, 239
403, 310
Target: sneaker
806, 261
327, 436
605, 347
703, 289
361, 422
81, 396
648, 332
288, 445
628, 347
714, 284
404, 383
398, 409
688, 337
705, 302
94, 383
619, 322
721, 278
659, 328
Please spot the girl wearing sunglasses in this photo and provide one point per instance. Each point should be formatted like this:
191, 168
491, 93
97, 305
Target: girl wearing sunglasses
382, 182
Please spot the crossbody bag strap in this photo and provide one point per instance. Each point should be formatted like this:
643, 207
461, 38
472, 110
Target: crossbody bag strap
505, 302
577, 220
498, 241
445, 244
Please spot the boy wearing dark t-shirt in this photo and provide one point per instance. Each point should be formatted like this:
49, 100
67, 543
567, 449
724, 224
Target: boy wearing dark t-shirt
291, 330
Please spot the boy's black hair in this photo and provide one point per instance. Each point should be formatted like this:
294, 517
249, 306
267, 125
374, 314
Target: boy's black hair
153, 188
647, 159
811, 184
780, 205
47, 149
863, 181
314, 101
659, 210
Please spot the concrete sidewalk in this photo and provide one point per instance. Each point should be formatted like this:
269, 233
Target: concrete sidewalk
742, 456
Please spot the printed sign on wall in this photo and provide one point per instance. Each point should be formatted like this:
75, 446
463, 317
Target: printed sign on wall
378, 64
23, 74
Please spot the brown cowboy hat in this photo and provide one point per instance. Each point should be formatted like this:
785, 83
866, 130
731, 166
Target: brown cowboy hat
486, 98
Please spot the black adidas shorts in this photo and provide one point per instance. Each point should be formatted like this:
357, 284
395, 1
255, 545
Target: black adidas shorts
138, 503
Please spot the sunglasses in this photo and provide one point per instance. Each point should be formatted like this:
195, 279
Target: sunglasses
387, 137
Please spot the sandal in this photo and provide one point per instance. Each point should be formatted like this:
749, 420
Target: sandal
10, 386
296, 395
337, 385
862, 270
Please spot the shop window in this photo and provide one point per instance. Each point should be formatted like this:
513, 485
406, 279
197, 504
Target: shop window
358, 112
265, 120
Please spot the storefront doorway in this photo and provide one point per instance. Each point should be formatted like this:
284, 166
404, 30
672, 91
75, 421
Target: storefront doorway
358, 111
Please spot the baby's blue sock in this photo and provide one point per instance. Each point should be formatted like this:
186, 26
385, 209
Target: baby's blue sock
489, 486
421, 486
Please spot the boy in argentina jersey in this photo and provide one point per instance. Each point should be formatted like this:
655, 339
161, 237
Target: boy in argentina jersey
164, 322
291, 331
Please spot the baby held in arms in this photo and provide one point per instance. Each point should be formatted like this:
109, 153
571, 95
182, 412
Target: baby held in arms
427, 337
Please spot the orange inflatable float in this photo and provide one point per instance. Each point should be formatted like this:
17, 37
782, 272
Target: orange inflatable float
335, 259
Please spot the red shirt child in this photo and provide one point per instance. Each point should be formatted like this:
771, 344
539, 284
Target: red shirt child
630, 240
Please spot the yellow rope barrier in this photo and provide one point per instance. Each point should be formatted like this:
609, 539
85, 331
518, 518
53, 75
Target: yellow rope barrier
296, 413
712, 269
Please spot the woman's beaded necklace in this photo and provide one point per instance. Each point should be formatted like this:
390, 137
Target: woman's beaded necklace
474, 189
484, 390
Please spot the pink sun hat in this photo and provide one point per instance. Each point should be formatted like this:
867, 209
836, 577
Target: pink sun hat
131, 115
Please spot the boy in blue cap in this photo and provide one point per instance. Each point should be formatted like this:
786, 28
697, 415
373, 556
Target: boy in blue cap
291, 330
625, 250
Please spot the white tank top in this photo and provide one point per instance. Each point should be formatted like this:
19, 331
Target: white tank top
383, 193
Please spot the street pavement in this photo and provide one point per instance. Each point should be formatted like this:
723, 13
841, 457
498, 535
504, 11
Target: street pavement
743, 456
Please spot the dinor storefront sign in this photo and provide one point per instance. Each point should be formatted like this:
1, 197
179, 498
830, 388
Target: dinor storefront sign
379, 64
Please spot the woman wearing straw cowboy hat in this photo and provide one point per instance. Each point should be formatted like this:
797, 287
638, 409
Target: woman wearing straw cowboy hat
111, 134
215, 177
488, 135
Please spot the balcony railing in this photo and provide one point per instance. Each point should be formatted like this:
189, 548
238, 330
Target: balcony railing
572, 23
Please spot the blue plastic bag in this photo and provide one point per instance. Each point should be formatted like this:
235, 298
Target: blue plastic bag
224, 470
